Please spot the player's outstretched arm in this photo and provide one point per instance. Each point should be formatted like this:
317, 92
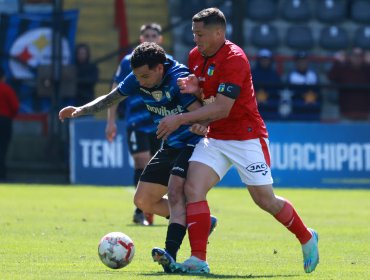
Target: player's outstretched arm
111, 127
97, 105
189, 84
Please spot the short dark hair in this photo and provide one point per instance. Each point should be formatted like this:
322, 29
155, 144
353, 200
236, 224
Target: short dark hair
151, 26
148, 53
210, 16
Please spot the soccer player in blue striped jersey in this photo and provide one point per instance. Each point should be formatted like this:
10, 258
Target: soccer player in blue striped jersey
154, 78
140, 129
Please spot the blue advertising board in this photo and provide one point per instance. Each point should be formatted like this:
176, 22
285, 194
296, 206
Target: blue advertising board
317, 155
94, 160
302, 155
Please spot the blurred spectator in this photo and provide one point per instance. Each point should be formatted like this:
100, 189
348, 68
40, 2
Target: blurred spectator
306, 99
264, 72
266, 81
352, 75
87, 75
9, 106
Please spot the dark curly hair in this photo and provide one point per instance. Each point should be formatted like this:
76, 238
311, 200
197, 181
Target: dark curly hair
148, 53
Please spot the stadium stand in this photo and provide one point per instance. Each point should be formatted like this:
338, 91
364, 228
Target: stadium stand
334, 38
299, 37
187, 36
362, 37
296, 10
360, 11
331, 11
265, 36
261, 10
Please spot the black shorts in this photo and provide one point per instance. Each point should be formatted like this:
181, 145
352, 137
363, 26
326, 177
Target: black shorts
139, 141
166, 162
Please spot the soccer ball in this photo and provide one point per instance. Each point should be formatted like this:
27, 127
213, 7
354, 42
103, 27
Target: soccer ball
116, 250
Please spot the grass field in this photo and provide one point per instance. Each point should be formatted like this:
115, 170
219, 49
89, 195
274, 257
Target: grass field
52, 232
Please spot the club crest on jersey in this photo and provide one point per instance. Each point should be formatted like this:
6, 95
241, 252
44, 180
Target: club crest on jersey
157, 95
211, 70
221, 88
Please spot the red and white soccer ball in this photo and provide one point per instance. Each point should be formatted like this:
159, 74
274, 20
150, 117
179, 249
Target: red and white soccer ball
116, 250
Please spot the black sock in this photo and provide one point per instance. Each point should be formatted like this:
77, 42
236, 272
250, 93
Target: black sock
137, 175
175, 235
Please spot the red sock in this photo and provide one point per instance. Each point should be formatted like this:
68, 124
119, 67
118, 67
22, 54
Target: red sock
291, 220
199, 224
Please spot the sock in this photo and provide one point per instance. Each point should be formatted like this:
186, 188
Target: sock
175, 235
199, 223
137, 174
291, 220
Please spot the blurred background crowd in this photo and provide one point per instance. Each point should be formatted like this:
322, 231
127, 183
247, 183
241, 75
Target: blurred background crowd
310, 59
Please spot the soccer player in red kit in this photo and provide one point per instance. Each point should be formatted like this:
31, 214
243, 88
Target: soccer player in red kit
237, 136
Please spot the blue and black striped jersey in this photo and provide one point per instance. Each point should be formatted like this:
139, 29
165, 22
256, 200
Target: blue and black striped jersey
135, 112
164, 100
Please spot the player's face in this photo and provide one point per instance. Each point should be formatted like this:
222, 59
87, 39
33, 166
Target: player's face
149, 78
152, 36
207, 38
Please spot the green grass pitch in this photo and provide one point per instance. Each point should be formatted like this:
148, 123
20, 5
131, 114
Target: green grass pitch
52, 232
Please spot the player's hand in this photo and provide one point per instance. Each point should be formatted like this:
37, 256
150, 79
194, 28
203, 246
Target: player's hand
199, 129
189, 84
167, 125
69, 112
111, 131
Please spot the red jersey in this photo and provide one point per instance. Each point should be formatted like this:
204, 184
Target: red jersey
229, 68
9, 103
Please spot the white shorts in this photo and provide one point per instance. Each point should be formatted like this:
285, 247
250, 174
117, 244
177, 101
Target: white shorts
250, 157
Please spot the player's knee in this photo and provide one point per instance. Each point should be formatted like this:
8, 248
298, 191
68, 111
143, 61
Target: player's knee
266, 203
140, 202
192, 193
175, 196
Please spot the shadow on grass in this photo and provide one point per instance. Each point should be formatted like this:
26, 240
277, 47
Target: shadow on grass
151, 226
221, 276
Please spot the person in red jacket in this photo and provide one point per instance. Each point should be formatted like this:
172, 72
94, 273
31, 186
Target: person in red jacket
9, 106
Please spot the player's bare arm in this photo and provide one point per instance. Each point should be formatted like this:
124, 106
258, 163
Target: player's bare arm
219, 109
111, 128
97, 105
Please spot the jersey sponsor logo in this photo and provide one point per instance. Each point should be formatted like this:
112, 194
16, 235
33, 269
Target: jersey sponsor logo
163, 111
157, 95
258, 167
211, 70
